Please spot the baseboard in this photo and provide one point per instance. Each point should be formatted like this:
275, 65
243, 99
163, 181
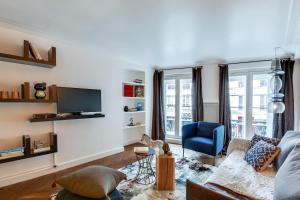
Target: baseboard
48, 169
132, 142
89, 158
173, 140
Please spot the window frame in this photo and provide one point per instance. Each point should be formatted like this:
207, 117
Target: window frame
249, 73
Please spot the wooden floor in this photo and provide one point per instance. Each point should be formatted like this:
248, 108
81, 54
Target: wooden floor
41, 188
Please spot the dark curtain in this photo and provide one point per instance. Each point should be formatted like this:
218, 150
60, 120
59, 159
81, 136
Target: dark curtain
158, 125
285, 121
197, 99
224, 103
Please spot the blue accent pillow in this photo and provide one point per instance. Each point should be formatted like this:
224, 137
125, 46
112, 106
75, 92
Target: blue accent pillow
261, 155
256, 138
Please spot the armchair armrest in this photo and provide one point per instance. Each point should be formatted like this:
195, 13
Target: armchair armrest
218, 138
238, 144
188, 131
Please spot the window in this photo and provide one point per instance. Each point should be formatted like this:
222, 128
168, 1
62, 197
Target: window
248, 101
178, 103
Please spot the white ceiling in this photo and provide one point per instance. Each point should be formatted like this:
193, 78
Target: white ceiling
166, 32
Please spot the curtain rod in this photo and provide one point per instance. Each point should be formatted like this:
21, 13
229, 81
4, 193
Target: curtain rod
254, 61
230, 63
176, 68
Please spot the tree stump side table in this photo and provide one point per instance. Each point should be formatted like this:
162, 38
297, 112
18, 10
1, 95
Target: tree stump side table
165, 172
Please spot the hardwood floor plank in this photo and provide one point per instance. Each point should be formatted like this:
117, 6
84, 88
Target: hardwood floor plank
41, 188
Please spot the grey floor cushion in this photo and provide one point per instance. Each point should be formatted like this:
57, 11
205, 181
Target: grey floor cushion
92, 182
287, 180
287, 143
66, 195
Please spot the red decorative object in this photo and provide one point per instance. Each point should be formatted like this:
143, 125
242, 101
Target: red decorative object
128, 90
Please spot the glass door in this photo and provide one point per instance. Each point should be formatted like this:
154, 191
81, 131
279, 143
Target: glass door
248, 101
261, 120
237, 90
185, 108
178, 104
169, 99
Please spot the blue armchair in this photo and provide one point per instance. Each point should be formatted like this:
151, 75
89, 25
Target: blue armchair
204, 137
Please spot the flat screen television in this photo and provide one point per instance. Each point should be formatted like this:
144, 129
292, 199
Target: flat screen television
78, 100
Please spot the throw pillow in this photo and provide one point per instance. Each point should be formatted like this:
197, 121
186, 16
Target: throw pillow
92, 181
287, 143
256, 138
261, 155
287, 179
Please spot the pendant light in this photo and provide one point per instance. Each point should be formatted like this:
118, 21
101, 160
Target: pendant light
276, 104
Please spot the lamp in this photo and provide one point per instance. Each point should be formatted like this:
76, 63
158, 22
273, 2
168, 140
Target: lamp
276, 105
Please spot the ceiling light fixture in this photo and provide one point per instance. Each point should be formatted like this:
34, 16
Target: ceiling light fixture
276, 104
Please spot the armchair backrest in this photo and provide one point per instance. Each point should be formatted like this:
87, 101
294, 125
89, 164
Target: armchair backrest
205, 129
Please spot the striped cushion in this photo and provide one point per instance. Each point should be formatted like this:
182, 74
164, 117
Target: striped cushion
261, 155
256, 138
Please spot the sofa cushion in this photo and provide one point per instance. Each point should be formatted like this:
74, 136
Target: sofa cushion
201, 144
261, 155
287, 179
257, 138
287, 143
92, 181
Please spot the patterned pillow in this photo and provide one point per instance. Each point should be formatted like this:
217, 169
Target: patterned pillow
261, 155
257, 138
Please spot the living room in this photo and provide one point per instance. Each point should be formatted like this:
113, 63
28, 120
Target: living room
138, 99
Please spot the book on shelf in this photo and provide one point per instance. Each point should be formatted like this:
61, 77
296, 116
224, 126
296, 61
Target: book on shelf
139, 91
128, 90
141, 149
41, 149
34, 52
11, 155
138, 81
17, 149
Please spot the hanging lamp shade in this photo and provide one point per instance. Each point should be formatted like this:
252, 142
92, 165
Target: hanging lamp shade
276, 105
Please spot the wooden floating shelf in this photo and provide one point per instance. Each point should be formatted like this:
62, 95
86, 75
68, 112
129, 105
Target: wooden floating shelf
27, 101
27, 149
25, 59
28, 156
140, 98
136, 126
68, 117
134, 112
133, 83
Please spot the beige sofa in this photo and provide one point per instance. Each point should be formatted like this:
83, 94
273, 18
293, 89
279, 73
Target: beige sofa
235, 178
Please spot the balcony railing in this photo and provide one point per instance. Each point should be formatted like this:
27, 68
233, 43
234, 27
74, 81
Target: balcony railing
238, 128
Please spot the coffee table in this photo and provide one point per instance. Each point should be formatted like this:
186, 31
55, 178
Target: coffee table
145, 174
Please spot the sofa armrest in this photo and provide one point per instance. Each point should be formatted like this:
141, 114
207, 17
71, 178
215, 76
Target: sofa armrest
188, 131
196, 192
238, 144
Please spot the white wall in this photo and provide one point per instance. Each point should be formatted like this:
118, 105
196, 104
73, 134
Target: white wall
78, 140
210, 90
